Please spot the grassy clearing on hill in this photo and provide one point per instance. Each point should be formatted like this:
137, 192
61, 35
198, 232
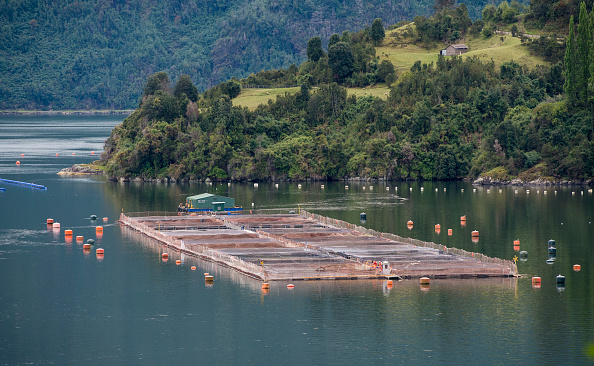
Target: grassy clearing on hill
403, 54
398, 49
252, 98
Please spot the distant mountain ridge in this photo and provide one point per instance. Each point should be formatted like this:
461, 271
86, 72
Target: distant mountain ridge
98, 54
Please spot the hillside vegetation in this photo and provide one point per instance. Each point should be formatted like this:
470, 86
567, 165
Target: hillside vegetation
97, 54
447, 118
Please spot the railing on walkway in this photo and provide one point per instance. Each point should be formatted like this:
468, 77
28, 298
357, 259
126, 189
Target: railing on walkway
200, 251
455, 251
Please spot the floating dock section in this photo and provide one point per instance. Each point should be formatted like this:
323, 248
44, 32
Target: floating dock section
307, 246
26, 184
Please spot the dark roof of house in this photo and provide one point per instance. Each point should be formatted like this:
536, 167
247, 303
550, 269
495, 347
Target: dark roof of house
458, 46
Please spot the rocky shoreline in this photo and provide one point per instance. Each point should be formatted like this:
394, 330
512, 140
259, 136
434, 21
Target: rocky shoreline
81, 169
488, 181
87, 169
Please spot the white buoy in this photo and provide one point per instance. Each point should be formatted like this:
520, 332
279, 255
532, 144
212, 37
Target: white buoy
371, 188
387, 188
255, 184
444, 189
436, 189
229, 184
363, 187
299, 186
500, 191
276, 185
474, 190
544, 192
422, 189
488, 191
527, 191
252, 204
555, 192
572, 193
462, 190
411, 189
516, 191
322, 186
346, 187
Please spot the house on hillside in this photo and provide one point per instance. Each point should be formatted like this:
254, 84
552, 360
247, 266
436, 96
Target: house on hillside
454, 50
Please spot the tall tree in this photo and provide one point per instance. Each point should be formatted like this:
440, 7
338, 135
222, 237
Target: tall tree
570, 66
377, 31
341, 60
334, 39
157, 81
583, 48
185, 86
314, 49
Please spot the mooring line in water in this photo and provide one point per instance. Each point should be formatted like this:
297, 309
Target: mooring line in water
32, 185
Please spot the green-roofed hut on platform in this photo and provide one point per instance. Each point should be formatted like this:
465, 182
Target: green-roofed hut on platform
211, 202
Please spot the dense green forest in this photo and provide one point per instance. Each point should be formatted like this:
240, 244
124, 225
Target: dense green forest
453, 119
98, 54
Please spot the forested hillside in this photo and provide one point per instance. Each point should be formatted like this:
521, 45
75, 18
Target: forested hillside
455, 118
98, 54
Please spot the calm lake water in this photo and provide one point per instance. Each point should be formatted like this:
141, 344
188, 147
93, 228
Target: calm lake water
62, 306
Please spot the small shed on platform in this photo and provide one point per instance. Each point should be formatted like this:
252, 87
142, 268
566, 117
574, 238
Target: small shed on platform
209, 202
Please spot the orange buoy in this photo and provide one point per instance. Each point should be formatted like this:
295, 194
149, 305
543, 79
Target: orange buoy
536, 282
290, 285
437, 227
265, 286
164, 255
517, 242
450, 232
100, 251
475, 239
462, 218
56, 225
577, 267
22, 155
86, 246
389, 282
193, 268
18, 162
68, 232
92, 153
475, 233
105, 219
50, 221
178, 262
206, 273
425, 280
79, 238
73, 154
57, 154
99, 229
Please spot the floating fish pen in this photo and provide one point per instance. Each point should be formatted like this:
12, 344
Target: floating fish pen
307, 246
26, 184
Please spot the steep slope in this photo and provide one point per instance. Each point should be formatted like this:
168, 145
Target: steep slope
97, 54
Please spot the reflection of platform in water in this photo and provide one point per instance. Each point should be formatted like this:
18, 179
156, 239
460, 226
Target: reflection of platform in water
307, 246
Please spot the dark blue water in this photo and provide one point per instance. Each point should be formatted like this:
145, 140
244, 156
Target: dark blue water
64, 306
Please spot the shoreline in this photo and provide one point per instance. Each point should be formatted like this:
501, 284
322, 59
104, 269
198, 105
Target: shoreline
73, 112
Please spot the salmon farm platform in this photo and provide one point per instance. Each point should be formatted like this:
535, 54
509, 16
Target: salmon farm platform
306, 246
